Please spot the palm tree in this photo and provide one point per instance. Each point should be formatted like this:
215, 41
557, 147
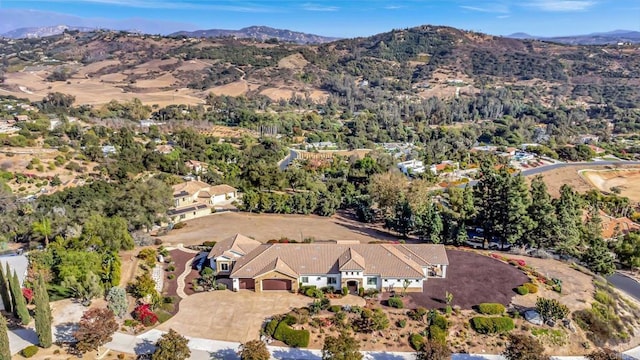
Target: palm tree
44, 229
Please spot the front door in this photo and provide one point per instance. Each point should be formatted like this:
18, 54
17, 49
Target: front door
352, 285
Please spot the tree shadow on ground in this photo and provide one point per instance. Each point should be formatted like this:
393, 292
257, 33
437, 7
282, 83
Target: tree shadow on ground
467, 357
64, 332
144, 347
295, 354
384, 356
224, 354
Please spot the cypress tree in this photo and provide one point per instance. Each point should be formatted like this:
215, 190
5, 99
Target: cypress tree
43, 314
5, 353
4, 290
20, 306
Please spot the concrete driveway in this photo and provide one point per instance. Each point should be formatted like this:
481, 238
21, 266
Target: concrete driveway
230, 316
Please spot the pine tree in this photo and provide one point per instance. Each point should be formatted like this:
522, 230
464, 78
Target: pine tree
5, 352
401, 220
543, 215
43, 316
4, 290
489, 201
515, 220
568, 213
597, 257
429, 223
20, 306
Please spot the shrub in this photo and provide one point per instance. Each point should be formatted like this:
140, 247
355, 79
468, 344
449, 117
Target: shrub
131, 323
29, 351
491, 309
551, 309
156, 241
144, 314
335, 308
345, 290
291, 337
395, 302
221, 287
402, 323
531, 287
492, 325
179, 225
522, 290
270, 329
361, 291
209, 243
439, 321
314, 293
417, 314
416, 341
163, 316
171, 276
448, 310
437, 334
171, 268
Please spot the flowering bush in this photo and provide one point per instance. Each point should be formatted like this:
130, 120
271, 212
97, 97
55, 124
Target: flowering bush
28, 295
144, 314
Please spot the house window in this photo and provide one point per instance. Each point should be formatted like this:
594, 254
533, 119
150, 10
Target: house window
372, 281
224, 267
332, 281
305, 279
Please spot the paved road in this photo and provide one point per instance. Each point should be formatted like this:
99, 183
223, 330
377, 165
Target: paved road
286, 161
542, 169
626, 284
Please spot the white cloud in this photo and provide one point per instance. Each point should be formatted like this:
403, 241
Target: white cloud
172, 5
317, 7
394, 7
561, 5
493, 8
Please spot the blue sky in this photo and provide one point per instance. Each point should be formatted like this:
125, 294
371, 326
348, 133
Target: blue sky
331, 18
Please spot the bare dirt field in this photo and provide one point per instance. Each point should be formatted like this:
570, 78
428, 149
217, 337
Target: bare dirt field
570, 175
246, 310
469, 287
263, 227
627, 181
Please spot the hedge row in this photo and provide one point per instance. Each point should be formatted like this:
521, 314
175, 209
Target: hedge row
291, 337
492, 325
491, 309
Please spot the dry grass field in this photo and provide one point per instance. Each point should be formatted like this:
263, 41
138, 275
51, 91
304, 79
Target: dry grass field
263, 227
626, 180
570, 175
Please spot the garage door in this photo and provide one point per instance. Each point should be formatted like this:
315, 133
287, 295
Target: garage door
247, 284
276, 284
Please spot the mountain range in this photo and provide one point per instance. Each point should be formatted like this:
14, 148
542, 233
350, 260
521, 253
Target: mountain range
602, 38
261, 33
44, 31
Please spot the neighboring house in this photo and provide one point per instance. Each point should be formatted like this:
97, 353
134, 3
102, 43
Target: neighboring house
17, 263
193, 199
596, 149
21, 118
108, 150
164, 149
196, 167
411, 167
613, 227
384, 267
447, 164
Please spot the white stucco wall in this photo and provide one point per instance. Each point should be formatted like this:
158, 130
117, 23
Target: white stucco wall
398, 284
320, 281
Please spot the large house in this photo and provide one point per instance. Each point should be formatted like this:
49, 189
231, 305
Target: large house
384, 267
193, 199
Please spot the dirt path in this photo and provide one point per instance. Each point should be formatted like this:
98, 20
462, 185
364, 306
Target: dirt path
263, 227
